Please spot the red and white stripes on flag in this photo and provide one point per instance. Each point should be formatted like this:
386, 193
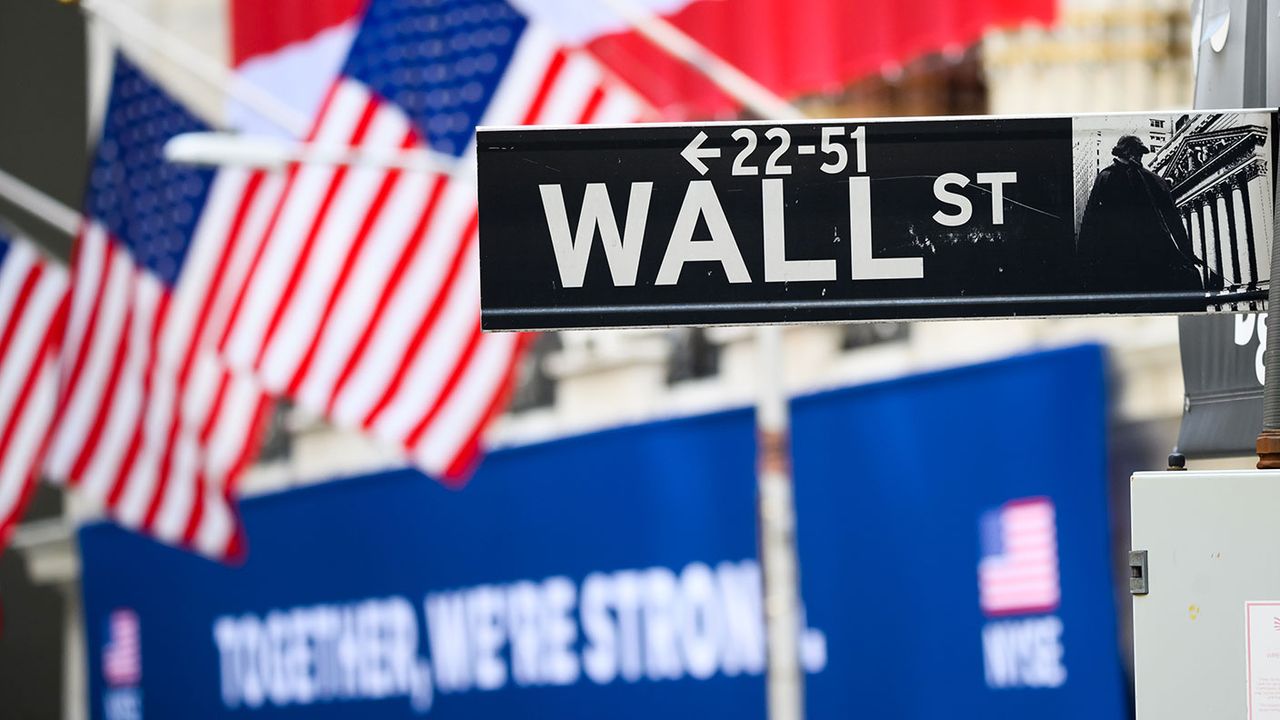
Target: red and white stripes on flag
363, 304
33, 308
1018, 571
151, 427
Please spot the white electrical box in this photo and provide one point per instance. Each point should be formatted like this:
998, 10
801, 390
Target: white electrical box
1206, 632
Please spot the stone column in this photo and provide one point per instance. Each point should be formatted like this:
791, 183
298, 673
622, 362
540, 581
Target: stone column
1261, 218
1218, 228
75, 661
1234, 239
1190, 212
1244, 230
1205, 225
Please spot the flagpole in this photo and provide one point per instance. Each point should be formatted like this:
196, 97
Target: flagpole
777, 518
127, 22
226, 149
229, 149
40, 205
775, 497
678, 44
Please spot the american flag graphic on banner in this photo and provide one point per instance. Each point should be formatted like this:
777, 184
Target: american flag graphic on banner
33, 307
150, 426
1018, 569
122, 651
364, 302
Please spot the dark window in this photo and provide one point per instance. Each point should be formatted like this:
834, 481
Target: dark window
534, 387
277, 440
858, 335
693, 355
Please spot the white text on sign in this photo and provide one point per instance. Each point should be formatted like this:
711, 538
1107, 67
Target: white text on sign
623, 241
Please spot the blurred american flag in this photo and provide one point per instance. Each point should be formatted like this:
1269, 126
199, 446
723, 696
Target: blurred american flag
363, 299
1018, 569
33, 308
122, 652
150, 426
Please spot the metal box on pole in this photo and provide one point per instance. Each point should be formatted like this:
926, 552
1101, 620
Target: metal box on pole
1212, 547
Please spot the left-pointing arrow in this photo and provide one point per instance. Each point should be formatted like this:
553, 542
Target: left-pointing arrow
694, 152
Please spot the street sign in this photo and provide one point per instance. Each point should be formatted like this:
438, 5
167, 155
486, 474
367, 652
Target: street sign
742, 223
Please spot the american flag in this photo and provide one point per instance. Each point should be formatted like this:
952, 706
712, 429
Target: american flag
122, 652
150, 426
1018, 570
363, 303
33, 309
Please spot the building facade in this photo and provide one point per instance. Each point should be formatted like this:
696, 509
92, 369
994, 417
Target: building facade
1217, 165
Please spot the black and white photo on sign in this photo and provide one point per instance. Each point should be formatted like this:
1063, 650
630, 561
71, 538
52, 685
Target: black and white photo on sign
1175, 201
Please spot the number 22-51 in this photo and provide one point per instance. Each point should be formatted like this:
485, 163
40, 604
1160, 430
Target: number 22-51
832, 146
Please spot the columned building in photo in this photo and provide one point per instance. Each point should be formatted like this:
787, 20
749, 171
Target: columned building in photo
1218, 167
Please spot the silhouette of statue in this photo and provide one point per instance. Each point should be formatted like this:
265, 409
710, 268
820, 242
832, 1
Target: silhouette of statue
1132, 237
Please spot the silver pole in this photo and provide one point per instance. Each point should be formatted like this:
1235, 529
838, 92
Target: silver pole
247, 151
272, 153
129, 23
1260, 22
777, 517
776, 504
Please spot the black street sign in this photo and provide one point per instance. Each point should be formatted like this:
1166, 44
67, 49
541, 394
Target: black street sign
742, 223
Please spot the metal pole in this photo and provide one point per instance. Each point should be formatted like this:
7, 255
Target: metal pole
271, 153
138, 28
777, 518
228, 149
776, 505
1259, 16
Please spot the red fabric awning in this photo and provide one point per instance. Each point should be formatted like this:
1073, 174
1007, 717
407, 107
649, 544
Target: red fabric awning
793, 47
260, 27
799, 47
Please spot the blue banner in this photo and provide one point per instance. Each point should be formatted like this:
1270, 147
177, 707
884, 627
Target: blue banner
953, 535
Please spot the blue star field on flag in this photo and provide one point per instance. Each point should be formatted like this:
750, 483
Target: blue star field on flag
441, 67
148, 204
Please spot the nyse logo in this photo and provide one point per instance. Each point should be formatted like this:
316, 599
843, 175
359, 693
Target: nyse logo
1018, 583
1024, 653
122, 666
122, 704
